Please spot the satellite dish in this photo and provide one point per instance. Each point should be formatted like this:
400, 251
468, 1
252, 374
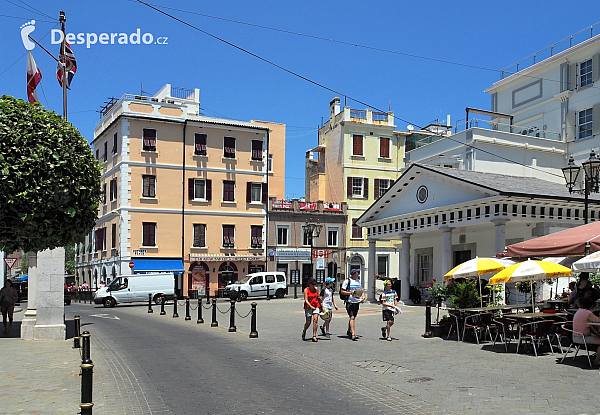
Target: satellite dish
410, 127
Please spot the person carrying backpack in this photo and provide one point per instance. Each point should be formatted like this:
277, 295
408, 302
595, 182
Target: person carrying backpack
389, 302
328, 303
356, 295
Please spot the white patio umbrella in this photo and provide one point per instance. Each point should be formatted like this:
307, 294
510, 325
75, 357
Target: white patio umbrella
590, 263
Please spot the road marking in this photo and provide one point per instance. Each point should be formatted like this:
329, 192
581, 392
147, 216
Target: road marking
108, 316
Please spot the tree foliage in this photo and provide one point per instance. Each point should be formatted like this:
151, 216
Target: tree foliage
49, 179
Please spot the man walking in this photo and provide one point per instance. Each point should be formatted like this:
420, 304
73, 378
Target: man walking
353, 289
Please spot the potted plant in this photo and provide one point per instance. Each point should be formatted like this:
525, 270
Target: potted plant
463, 294
437, 293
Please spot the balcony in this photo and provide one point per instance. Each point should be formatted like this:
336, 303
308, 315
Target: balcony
358, 116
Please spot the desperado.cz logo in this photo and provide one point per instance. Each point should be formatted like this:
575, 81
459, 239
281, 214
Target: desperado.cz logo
89, 39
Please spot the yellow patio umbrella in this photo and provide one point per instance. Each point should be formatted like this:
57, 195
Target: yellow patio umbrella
530, 270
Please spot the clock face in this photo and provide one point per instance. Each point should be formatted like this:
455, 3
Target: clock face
422, 194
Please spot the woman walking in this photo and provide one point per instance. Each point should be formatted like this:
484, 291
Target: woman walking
8, 298
311, 308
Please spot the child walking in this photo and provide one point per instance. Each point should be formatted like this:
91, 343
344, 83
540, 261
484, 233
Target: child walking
328, 302
389, 302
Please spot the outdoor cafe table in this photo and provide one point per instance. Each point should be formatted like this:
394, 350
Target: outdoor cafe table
472, 310
536, 316
558, 304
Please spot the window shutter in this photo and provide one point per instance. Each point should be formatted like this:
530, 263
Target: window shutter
596, 119
248, 192
495, 102
572, 76
571, 126
208, 189
349, 185
384, 147
564, 78
357, 145
98, 239
265, 192
190, 189
366, 188
376, 188
595, 67
152, 183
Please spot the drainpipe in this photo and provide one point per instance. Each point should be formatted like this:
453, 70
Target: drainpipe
267, 208
183, 200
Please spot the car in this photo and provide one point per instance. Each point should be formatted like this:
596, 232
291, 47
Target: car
256, 284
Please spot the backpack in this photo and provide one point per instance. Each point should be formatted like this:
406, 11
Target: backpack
344, 297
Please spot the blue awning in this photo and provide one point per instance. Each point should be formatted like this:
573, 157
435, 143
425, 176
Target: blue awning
23, 278
158, 265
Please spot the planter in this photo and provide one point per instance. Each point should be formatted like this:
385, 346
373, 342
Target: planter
439, 330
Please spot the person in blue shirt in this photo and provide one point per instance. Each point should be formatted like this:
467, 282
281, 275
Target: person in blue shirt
389, 302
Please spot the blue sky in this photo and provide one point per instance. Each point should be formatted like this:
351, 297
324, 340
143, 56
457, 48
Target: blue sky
236, 85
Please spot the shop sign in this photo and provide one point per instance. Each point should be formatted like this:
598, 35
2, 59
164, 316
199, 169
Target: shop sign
293, 254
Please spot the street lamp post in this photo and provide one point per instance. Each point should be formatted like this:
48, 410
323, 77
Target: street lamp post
313, 230
591, 168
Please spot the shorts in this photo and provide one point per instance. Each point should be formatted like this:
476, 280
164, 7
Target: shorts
589, 339
388, 315
352, 309
309, 313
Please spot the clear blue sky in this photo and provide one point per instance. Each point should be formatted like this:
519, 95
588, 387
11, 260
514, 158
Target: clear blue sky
235, 85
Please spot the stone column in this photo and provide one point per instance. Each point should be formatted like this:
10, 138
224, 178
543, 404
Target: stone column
371, 271
499, 235
405, 268
50, 296
446, 249
29, 317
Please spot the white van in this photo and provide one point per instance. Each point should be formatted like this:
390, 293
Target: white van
255, 285
136, 287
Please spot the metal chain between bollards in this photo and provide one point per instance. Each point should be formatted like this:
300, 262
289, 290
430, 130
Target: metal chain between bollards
241, 316
224, 312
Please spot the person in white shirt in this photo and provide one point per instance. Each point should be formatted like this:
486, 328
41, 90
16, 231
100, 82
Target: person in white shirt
389, 302
328, 303
353, 288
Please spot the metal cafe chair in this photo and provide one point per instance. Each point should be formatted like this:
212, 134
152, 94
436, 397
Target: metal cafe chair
478, 322
536, 332
570, 332
505, 330
456, 322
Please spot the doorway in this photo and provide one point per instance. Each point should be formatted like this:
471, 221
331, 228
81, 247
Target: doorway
307, 272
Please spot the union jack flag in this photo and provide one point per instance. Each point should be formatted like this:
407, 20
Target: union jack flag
68, 60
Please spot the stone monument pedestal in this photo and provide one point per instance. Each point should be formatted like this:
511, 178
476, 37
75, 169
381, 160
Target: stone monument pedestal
49, 304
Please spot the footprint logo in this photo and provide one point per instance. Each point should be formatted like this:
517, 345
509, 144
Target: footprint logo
26, 29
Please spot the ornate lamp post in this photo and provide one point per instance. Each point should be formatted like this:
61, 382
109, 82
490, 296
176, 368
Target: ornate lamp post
313, 230
591, 168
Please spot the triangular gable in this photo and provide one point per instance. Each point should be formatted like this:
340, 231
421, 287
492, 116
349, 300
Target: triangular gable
420, 189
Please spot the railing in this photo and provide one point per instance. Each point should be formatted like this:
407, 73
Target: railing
530, 131
182, 93
549, 51
380, 118
358, 115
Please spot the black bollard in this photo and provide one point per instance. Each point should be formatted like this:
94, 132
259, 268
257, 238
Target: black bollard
200, 319
253, 332
77, 336
268, 296
208, 296
232, 317
150, 303
175, 307
163, 300
428, 333
87, 376
295, 291
187, 309
214, 323
239, 298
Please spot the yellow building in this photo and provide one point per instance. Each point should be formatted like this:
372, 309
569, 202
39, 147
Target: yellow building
357, 159
184, 193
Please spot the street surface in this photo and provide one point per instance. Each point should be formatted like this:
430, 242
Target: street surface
152, 364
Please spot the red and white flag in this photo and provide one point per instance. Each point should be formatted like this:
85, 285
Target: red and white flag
68, 61
34, 76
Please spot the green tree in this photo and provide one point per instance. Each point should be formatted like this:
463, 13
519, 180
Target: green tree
70, 259
49, 179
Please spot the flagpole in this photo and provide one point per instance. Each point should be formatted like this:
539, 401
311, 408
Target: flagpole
45, 50
62, 19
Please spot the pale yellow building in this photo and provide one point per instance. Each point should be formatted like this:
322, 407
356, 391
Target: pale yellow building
358, 157
184, 193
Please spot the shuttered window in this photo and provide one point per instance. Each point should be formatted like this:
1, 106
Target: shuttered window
256, 236
257, 151
357, 232
228, 236
357, 145
113, 236
200, 144
229, 147
585, 123
254, 192
148, 186
585, 73
105, 155
384, 147
149, 138
104, 193
115, 142
282, 235
228, 191
199, 189
100, 239
149, 234
199, 235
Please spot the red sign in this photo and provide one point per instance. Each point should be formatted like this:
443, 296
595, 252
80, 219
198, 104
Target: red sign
10, 262
320, 253
131, 264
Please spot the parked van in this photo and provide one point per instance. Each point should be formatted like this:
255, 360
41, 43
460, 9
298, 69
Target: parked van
255, 285
136, 287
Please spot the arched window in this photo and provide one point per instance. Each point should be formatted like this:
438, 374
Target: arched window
227, 274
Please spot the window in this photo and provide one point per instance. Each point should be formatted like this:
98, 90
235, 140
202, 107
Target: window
113, 190
270, 163
97, 154
104, 193
423, 261
105, 155
101, 239
149, 186
269, 279
229, 147
382, 265
113, 236
357, 232
149, 139
332, 237
585, 123
306, 238
199, 189
200, 144
257, 151
199, 235
256, 236
228, 236
254, 192
585, 73
148, 233
357, 145
228, 191
282, 235
381, 186
115, 139
384, 147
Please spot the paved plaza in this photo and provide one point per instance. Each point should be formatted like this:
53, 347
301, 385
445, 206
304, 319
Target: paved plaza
408, 375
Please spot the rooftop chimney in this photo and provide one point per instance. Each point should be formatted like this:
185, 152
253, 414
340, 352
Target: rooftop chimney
334, 108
